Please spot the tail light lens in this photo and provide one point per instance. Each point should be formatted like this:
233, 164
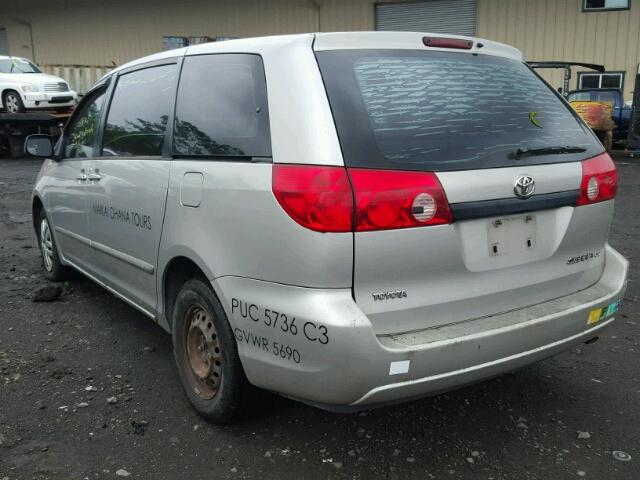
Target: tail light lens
599, 180
318, 198
442, 42
322, 198
387, 199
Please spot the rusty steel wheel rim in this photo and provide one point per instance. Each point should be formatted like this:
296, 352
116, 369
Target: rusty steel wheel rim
203, 352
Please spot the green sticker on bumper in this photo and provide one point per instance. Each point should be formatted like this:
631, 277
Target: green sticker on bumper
599, 313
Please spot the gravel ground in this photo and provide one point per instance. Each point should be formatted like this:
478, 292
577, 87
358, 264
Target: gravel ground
89, 390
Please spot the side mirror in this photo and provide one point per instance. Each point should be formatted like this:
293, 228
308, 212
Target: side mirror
38, 146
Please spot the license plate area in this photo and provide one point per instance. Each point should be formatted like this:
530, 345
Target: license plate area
511, 235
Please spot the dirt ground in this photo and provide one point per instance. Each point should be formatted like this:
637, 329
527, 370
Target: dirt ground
59, 363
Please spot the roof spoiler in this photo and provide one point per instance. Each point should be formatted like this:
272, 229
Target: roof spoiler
567, 70
592, 66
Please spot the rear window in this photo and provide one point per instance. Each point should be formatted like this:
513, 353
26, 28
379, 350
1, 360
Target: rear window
417, 110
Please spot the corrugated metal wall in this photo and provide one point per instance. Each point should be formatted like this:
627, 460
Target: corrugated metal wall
4, 44
437, 16
90, 33
346, 15
86, 32
559, 30
80, 77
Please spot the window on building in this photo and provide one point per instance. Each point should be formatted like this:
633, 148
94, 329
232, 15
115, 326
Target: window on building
199, 40
601, 80
600, 5
169, 43
139, 112
221, 108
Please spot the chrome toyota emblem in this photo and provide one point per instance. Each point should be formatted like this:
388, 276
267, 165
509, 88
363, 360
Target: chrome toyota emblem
524, 187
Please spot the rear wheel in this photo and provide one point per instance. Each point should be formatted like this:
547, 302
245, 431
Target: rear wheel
207, 355
12, 102
53, 269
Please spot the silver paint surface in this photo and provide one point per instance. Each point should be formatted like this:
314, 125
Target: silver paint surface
466, 315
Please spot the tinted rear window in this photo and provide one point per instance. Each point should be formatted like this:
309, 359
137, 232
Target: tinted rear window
417, 110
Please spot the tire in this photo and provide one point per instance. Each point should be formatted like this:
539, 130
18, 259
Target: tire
12, 102
53, 269
206, 354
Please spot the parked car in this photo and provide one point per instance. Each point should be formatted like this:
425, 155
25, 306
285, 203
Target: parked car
621, 112
23, 86
348, 219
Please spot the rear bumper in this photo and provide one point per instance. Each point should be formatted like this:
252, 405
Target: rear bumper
342, 363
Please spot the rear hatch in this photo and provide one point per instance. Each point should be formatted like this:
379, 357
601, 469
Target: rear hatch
467, 171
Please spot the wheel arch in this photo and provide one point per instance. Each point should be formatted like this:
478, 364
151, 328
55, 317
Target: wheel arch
6, 90
176, 273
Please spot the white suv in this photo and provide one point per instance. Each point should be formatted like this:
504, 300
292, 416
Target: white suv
23, 86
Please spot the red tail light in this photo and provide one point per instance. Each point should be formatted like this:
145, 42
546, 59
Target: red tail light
387, 199
599, 180
318, 198
322, 199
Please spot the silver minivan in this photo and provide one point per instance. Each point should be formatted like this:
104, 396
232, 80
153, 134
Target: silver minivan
347, 219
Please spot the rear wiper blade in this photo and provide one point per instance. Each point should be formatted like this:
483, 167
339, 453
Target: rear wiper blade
532, 152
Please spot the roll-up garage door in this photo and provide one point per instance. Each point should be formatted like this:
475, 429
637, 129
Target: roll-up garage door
4, 44
436, 16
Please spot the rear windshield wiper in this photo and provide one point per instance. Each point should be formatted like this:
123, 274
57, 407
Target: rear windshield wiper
532, 152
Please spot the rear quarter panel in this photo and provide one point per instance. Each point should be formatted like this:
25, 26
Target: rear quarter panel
239, 229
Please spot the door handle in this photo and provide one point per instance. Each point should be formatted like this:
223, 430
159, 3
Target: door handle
94, 175
82, 177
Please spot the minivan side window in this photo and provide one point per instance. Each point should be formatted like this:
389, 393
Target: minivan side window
80, 135
221, 108
139, 112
